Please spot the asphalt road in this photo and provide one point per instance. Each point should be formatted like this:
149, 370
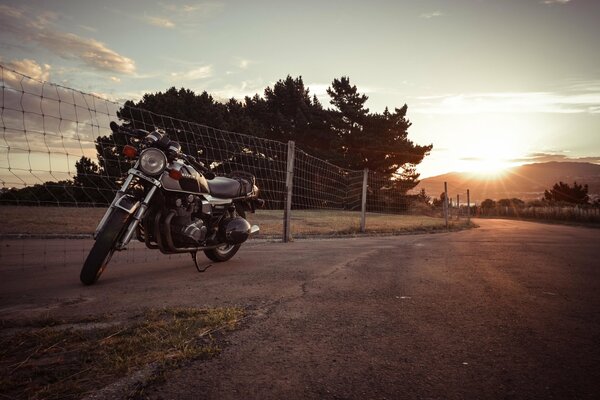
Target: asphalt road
508, 310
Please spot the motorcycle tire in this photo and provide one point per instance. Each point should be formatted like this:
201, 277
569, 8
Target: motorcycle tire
222, 253
104, 247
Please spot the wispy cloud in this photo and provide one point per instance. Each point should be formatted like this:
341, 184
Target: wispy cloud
239, 91
206, 71
88, 28
547, 157
160, 22
243, 64
511, 102
203, 9
550, 2
39, 30
430, 15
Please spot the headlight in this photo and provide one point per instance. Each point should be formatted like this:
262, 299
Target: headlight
153, 162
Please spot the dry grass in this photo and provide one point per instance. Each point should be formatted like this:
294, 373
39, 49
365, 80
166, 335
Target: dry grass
334, 222
49, 220
45, 361
67, 220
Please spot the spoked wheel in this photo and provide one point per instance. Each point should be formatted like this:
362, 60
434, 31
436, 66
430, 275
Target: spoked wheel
223, 252
104, 247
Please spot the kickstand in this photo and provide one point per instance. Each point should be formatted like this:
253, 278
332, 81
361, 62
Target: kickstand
193, 253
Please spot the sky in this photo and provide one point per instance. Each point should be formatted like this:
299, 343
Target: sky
489, 83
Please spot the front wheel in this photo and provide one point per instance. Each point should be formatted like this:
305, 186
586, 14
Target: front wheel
104, 247
223, 252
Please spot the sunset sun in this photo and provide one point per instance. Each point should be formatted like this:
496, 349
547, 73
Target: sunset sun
490, 166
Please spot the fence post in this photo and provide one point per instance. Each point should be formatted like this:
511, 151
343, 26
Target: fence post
468, 207
457, 207
446, 203
363, 209
289, 178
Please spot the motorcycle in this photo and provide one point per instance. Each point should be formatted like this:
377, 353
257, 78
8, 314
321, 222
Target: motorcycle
172, 202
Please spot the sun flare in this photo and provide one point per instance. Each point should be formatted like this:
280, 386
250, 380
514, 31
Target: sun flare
490, 167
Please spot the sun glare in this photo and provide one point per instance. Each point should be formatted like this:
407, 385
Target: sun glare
490, 167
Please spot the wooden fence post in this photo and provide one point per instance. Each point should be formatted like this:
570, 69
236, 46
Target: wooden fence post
468, 207
446, 203
287, 212
363, 210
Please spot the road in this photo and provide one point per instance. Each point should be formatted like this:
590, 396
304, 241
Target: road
508, 310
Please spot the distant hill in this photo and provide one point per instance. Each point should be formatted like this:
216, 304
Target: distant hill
526, 182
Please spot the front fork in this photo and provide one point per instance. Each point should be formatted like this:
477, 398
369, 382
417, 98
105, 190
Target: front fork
137, 217
136, 208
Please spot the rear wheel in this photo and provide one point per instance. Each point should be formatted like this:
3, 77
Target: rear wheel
104, 247
223, 252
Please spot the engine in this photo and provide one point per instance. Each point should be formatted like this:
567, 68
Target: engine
189, 230
186, 229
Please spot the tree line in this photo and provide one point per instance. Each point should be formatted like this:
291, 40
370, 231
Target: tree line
561, 194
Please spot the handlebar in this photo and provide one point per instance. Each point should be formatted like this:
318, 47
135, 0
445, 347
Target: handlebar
162, 141
140, 133
208, 174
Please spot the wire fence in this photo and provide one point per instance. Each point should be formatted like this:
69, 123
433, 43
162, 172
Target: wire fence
584, 214
57, 150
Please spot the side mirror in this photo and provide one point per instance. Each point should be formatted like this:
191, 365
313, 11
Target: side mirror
114, 126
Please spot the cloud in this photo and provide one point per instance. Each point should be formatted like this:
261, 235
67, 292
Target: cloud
319, 89
239, 91
203, 72
10, 12
567, 101
160, 22
48, 127
203, 9
38, 29
243, 64
430, 15
548, 157
550, 2
88, 28
30, 68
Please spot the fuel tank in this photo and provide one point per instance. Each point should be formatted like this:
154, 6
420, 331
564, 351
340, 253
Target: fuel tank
191, 182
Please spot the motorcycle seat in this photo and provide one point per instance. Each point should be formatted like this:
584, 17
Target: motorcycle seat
227, 188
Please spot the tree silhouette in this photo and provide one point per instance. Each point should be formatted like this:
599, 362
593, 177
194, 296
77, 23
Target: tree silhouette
375, 141
488, 204
513, 203
562, 192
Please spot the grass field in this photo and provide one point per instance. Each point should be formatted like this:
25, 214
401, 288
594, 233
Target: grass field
68, 220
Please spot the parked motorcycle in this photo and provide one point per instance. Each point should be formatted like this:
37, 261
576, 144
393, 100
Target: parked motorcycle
173, 203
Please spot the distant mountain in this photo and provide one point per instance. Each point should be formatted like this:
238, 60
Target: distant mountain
526, 182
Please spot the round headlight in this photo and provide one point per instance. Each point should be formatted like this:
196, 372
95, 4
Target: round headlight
153, 162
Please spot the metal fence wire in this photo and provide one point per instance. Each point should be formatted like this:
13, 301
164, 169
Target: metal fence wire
57, 150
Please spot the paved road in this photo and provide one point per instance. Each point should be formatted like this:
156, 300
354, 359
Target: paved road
509, 310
